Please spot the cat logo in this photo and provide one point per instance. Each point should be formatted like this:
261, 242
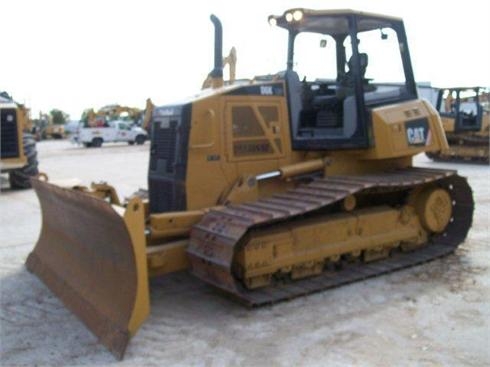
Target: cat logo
417, 132
416, 135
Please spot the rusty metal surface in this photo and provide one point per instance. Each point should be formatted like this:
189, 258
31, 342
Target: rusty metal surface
84, 255
215, 240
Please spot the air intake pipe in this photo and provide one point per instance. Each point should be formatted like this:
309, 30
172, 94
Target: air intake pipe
217, 73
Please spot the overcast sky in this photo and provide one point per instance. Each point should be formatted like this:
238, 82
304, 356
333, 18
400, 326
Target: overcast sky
74, 55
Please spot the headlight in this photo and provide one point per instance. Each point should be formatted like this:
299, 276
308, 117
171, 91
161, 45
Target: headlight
272, 21
297, 15
289, 17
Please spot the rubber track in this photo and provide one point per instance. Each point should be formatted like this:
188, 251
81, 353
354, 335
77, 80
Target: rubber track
215, 240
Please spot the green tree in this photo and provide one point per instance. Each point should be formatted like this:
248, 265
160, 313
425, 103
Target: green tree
58, 117
86, 114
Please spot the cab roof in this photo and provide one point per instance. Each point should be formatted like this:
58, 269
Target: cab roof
6, 100
330, 21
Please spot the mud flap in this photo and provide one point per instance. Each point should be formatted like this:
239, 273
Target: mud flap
92, 256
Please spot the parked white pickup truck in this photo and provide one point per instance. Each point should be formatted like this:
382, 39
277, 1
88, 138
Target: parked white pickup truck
116, 131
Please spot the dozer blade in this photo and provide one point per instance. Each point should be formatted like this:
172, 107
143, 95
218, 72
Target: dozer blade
92, 256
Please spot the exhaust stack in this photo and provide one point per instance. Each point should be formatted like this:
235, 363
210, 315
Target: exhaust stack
217, 73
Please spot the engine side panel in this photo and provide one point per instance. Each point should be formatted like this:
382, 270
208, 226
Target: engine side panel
405, 129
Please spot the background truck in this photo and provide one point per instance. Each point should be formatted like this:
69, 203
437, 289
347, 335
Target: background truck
113, 131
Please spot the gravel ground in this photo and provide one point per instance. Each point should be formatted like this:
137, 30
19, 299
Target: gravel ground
435, 314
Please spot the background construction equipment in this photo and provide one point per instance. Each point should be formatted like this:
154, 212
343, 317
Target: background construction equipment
465, 115
19, 154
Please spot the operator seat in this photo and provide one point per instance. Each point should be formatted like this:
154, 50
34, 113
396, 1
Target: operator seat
348, 78
363, 63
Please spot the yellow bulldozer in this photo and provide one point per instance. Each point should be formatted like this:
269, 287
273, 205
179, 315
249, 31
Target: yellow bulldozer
18, 146
46, 129
465, 115
267, 189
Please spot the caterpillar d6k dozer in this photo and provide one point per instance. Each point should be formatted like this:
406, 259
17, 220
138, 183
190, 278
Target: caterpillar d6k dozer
465, 115
267, 189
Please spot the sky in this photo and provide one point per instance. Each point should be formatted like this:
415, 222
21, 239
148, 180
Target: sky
78, 54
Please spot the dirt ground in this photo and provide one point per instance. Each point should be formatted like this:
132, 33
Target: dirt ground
435, 314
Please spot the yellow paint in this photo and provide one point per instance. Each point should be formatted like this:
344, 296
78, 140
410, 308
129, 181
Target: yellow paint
135, 223
302, 248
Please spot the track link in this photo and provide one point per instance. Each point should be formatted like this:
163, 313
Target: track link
215, 240
464, 148
460, 159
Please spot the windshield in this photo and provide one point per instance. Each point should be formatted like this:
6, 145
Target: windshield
315, 57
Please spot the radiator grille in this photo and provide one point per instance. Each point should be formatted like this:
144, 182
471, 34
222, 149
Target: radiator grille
168, 159
9, 134
164, 146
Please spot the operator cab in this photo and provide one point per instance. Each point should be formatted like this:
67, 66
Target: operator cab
464, 105
341, 64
